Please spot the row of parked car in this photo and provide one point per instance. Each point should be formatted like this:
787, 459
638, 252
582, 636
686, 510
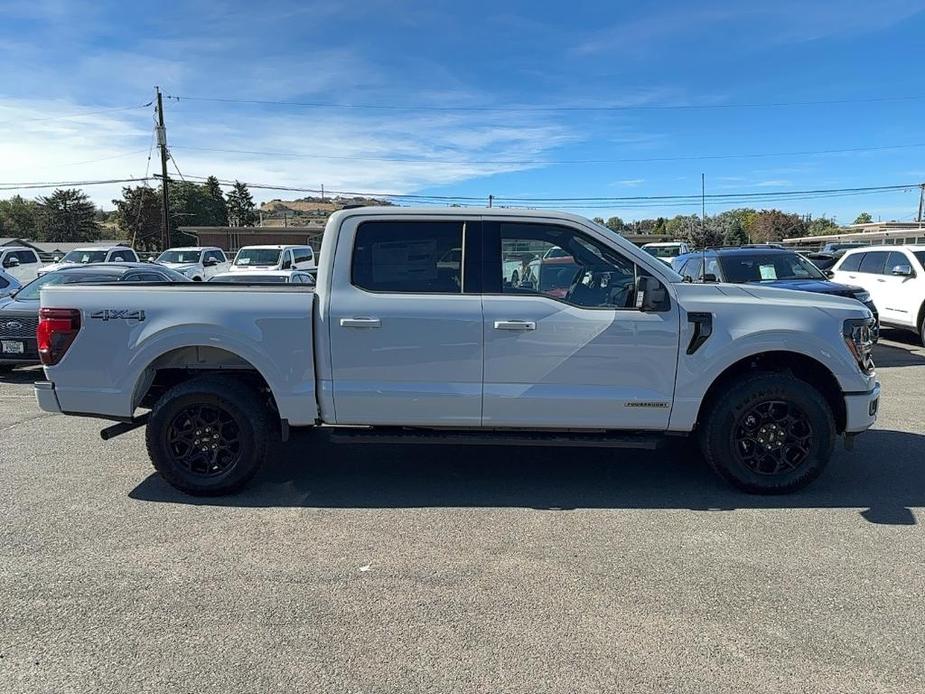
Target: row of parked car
23, 277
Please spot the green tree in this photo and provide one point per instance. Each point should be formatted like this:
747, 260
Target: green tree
19, 217
705, 234
217, 207
774, 225
599, 220
241, 208
138, 217
821, 225
190, 205
864, 218
615, 224
731, 227
67, 215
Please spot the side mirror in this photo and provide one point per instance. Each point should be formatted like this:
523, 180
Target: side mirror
904, 270
708, 277
56, 259
828, 273
12, 261
209, 262
650, 294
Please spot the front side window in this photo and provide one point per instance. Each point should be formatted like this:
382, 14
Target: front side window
874, 262
303, 255
408, 257
896, 258
560, 263
26, 257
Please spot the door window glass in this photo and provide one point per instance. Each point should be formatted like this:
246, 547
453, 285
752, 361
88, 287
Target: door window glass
692, 268
415, 257
852, 262
560, 263
873, 262
26, 257
896, 258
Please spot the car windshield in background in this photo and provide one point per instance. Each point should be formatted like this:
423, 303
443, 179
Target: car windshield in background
739, 267
31, 291
258, 256
251, 278
179, 257
663, 251
84, 257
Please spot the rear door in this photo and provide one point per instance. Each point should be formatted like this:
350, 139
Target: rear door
870, 276
572, 350
848, 271
405, 325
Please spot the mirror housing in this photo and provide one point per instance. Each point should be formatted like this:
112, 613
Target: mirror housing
708, 277
209, 262
903, 270
651, 294
828, 273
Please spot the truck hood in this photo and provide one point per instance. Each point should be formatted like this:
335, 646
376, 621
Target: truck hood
54, 266
710, 297
815, 286
181, 267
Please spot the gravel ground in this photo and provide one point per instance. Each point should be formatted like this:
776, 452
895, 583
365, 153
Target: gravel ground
350, 568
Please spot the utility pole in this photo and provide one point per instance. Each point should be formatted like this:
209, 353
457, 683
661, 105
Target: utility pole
162, 145
703, 203
921, 202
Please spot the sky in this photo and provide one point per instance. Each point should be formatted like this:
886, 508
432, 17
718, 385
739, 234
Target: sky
512, 99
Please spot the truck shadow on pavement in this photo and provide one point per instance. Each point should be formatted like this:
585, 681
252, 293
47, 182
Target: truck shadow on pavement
20, 376
884, 475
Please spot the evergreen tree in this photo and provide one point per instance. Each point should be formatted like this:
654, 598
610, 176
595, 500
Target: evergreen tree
67, 216
19, 217
138, 217
217, 207
241, 208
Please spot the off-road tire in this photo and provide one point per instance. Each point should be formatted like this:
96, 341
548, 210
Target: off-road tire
251, 427
729, 410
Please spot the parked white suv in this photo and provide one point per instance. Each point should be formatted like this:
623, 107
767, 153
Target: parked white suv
252, 258
199, 263
94, 254
20, 262
895, 278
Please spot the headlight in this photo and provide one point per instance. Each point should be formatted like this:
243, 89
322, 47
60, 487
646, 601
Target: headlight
863, 297
858, 334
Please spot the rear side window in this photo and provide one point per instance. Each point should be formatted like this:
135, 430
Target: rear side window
874, 262
408, 257
852, 262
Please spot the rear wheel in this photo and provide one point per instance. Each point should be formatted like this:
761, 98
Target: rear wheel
769, 434
922, 327
208, 436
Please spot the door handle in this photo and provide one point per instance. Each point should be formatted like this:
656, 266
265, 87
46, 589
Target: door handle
360, 323
515, 325
880, 280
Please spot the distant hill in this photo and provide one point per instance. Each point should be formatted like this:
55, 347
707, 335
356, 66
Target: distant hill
309, 210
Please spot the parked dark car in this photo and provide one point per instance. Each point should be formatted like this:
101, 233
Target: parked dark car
823, 261
770, 267
19, 314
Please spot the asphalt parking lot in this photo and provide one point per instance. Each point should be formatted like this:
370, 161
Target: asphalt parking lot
351, 568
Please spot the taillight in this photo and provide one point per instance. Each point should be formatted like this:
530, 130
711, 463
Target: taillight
57, 329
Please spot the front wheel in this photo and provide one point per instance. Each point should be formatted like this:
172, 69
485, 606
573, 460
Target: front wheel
768, 434
208, 436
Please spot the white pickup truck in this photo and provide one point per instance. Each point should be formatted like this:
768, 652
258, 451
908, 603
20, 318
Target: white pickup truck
607, 347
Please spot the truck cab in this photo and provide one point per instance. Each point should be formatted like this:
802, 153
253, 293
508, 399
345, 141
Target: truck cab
19, 262
264, 258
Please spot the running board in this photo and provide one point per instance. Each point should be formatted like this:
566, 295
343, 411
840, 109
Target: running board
643, 441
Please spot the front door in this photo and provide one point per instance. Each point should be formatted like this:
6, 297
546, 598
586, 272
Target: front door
898, 296
565, 346
405, 324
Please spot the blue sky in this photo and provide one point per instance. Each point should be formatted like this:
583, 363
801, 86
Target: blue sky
59, 58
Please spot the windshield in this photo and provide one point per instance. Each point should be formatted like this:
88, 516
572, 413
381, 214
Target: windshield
767, 267
257, 256
85, 257
920, 256
179, 257
31, 291
250, 278
663, 251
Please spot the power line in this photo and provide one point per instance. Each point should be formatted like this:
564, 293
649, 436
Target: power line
559, 162
546, 108
68, 184
20, 121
